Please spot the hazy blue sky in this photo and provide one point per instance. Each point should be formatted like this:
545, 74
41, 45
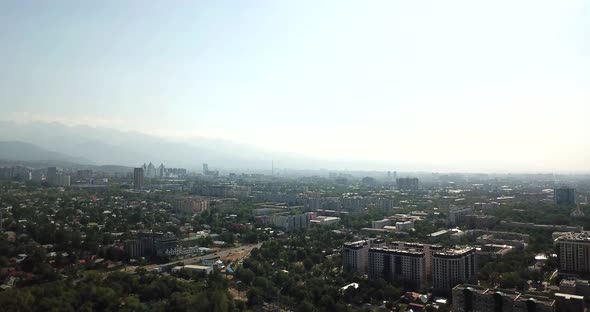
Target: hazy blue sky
469, 82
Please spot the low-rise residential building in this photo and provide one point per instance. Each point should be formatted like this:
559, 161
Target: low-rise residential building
201, 269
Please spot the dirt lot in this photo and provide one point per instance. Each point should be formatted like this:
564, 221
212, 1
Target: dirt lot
236, 256
238, 295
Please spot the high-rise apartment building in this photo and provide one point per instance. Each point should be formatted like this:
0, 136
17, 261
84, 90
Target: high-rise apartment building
414, 263
139, 247
20, 173
312, 204
451, 267
165, 242
37, 176
429, 251
354, 203
205, 169
565, 196
161, 171
291, 223
51, 175
457, 214
574, 253
151, 171
55, 178
355, 256
407, 183
191, 204
408, 265
176, 171
138, 178
61, 180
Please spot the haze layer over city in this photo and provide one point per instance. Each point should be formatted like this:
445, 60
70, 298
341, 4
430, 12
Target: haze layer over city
304, 156
434, 86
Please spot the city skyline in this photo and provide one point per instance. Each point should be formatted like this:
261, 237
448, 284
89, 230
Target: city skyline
491, 87
305, 156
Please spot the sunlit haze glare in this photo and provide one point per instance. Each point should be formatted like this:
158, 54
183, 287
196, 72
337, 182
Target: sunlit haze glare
496, 85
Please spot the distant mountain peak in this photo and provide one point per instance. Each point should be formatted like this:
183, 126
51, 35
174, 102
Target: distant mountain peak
28, 152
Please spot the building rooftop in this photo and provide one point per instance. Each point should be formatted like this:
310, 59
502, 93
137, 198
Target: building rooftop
568, 296
457, 251
515, 296
574, 237
374, 230
568, 282
412, 252
357, 244
196, 267
438, 233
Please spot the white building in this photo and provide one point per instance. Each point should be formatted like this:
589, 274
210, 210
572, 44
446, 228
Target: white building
161, 171
381, 223
404, 226
194, 268
324, 220
291, 222
151, 171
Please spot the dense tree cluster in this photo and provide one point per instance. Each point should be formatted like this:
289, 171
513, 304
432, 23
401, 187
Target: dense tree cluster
512, 272
541, 213
122, 292
304, 272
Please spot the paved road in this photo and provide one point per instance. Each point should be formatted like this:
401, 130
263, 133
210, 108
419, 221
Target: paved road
220, 253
